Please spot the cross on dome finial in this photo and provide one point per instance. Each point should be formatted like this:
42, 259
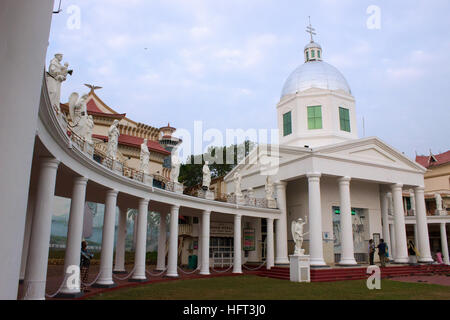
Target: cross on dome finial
311, 30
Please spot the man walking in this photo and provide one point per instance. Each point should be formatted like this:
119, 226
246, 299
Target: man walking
371, 251
382, 252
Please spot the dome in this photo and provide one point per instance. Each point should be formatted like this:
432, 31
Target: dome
315, 74
312, 45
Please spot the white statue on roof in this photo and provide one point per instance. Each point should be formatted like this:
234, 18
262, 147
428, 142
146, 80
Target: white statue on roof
438, 198
78, 114
145, 157
56, 75
206, 176
269, 189
237, 184
113, 140
175, 161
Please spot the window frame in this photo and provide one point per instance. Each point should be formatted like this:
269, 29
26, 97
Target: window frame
285, 131
315, 120
344, 120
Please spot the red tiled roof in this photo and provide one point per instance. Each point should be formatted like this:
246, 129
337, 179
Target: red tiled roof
441, 159
135, 142
93, 109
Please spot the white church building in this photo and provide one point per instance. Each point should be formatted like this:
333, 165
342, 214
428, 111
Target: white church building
349, 189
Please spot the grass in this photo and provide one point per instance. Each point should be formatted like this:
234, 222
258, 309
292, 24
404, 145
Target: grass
258, 288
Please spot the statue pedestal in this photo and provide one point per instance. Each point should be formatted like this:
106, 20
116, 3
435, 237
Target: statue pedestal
440, 212
272, 204
209, 195
240, 200
178, 187
300, 268
89, 148
148, 179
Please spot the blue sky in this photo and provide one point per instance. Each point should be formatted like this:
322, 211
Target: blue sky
225, 62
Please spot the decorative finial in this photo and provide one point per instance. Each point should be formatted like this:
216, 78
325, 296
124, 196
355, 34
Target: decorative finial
311, 30
92, 87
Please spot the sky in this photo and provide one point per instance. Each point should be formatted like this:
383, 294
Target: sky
224, 62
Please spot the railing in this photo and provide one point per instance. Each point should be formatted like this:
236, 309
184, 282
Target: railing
97, 154
222, 259
185, 229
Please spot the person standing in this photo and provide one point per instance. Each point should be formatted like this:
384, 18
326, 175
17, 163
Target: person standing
85, 262
371, 251
382, 252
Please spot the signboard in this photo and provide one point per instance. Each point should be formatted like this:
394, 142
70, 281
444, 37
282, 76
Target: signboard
249, 240
221, 229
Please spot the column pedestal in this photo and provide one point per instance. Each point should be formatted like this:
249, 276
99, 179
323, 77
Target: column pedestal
300, 270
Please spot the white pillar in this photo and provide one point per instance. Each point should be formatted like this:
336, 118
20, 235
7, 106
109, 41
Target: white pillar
253, 255
392, 249
172, 263
36, 271
75, 231
281, 225
27, 235
315, 220
24, 32
106, 257
422, 226
161, 260
119, 266
385, 219
237, 259
199, 247
401, 252
347, 254
269, 245
206, 217
141, 242
444, 243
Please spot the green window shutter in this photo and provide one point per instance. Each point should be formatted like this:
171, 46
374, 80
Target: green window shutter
287, 123
313, 53
307, 55
318, 53
344, 118
315, 117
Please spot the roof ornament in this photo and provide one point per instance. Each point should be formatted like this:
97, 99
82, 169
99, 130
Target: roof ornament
311, 30
93, 87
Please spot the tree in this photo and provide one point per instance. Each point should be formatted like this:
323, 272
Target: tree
191, 173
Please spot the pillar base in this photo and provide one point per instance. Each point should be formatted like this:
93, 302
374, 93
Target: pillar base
137, 280
74, 295
120, 272
281, 261
205, 273
104, 286
401, 261
174, 275
347, 262
426, 260
347, 265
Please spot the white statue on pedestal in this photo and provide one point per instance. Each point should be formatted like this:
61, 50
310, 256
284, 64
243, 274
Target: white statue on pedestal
237, 184
57, 74
269, 189
145, 157
438, 198
78, 113
175, 172
113, 140
206, 176
297, 235
89, 129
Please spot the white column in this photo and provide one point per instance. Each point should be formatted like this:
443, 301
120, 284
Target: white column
422, 226
119, 266
315, 220
161, 260
206, 217
75, 231
444, 243
36, 271
347, 254
141, 242
27, 235
24, 32
401, 252
269, 245
392, 249
106, 257
385, 219
199, 248
253, 255
172, 263
281, 225
237, 261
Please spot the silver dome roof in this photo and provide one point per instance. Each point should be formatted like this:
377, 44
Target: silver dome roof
313, 45
315, 74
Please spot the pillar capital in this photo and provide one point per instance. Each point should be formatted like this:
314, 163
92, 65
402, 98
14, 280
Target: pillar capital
50, 162
144, 201
397, 186
175, 207
206, 212
344, 180
80, 180
112, 193
419, 189
280, 184
313, 175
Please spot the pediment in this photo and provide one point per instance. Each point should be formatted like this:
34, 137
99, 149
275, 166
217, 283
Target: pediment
371, 151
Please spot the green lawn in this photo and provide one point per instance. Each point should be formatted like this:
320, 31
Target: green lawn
258, 288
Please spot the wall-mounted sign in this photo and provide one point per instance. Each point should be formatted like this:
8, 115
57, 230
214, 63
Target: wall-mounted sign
249, 240
221, 229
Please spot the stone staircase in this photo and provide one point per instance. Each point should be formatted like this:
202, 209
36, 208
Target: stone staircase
359, 273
